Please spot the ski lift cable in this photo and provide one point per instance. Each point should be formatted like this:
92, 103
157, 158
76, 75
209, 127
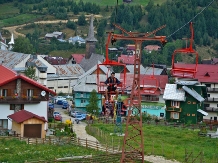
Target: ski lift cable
191, 19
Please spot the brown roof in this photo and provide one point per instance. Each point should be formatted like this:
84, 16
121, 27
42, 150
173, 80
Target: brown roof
24, 115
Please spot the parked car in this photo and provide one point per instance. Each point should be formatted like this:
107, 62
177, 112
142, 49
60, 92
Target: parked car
65, 105
60, 102
78, 118
73, 113
50, 106
59, 98
56, 113
57, 116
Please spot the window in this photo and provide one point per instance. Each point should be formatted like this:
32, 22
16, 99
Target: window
29, 92
83, 101
208, 105
189, 102
14, 106
4, 92
193, 115
50, 87
174, 115
65, 86
175, 104
188, 114
81, 95
208, 95
194, 102
208, 85
3, 124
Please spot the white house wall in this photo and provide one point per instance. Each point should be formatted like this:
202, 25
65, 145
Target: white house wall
211, 114
5, 111
23, 62
51, 69
59, 85
41, 81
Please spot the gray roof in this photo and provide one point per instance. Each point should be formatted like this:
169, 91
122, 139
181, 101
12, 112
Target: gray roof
94, 68
145, 71
186, 82
19, 69
172, 93
193, 93
72, 70
11, 59
88, 88
37, 62
150, 70
91, 36
87, 64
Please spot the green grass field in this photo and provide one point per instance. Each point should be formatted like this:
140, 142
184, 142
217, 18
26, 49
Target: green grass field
19, 19
15, 151
165, 141
8, 8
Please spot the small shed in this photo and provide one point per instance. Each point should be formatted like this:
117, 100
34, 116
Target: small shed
28, 124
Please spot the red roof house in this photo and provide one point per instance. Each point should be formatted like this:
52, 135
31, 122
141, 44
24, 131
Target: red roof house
126, 59
148, 84
6, 74
205, 73
18, 92
76, 58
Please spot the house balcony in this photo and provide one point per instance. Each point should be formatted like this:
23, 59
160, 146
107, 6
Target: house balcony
211, 109
212, 89
20, 100
173, 109
150, 98
211, 99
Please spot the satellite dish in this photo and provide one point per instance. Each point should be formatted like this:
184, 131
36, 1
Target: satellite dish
43, 93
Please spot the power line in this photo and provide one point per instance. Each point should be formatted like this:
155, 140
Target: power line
191, 19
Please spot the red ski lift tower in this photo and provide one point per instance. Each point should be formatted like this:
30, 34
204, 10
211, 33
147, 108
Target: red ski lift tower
181, 71
109, 64
133, 148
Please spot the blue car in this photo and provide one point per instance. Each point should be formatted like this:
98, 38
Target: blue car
65, 105
50, 105
60, 102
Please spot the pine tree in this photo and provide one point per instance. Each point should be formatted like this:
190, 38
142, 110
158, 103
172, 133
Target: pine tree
92, 107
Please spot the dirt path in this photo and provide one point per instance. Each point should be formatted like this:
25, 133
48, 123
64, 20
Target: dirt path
12, 29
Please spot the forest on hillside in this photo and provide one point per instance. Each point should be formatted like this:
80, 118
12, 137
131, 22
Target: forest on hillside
175, 14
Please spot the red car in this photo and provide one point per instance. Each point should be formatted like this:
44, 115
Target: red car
58, 117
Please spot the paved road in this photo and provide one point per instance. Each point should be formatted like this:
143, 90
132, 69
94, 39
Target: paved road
78, 128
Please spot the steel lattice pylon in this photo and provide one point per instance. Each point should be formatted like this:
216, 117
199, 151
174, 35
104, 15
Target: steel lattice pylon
133, 147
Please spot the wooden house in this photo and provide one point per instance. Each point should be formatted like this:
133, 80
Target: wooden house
184, 102
27, 124
18, 92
